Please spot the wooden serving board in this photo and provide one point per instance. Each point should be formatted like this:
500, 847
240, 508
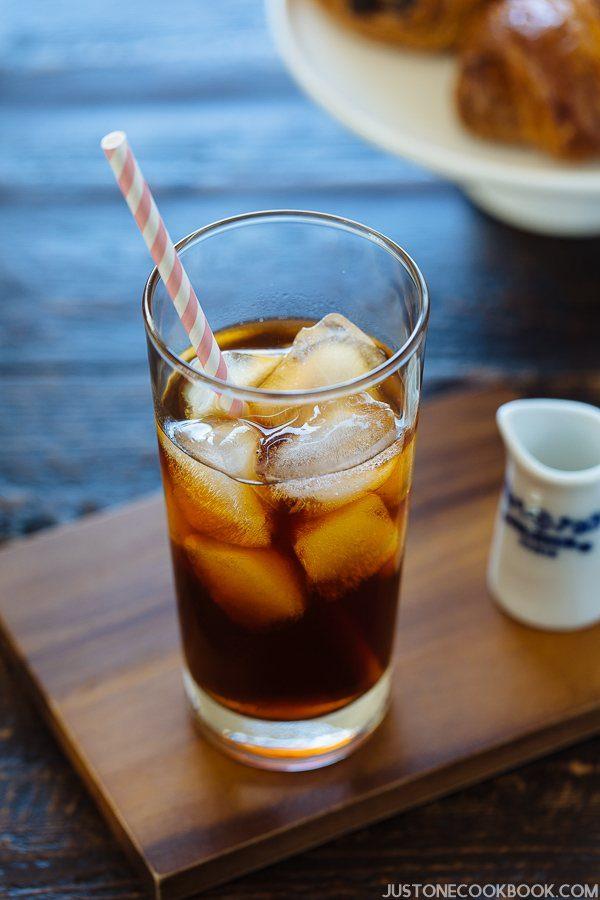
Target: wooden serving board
87, 612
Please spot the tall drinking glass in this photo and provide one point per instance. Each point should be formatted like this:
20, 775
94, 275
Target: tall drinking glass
287, 525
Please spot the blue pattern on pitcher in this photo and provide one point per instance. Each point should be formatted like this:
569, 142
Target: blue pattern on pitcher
541, 532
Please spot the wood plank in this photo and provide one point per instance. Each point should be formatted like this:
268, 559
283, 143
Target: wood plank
487, 314
87, 611
59, 82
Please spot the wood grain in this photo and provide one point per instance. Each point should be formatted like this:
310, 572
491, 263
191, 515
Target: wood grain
87, 611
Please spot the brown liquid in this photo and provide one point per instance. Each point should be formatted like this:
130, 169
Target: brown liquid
311, 663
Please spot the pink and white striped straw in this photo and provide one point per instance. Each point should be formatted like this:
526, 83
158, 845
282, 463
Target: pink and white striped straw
145, 212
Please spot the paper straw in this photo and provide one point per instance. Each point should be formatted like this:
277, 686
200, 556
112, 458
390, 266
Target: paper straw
145, 212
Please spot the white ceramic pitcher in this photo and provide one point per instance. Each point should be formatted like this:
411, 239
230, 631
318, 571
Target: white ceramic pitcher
544, 566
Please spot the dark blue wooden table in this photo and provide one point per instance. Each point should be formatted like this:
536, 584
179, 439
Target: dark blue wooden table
220, 128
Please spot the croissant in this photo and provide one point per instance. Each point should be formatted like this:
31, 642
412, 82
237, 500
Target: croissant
421, 24
529, 73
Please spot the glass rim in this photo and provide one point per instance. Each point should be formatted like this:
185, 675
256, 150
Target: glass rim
329, 392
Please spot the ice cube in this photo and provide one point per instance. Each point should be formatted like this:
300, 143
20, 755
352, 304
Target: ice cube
257, 589
246, 368
329, 352
400, 518
396, 487
332, 351
214, 503
178, 527
326, 492
227, 445
346, 546
340, 434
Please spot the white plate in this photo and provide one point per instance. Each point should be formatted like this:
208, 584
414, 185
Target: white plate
402, 101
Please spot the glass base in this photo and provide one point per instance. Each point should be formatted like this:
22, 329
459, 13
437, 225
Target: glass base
289, 746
